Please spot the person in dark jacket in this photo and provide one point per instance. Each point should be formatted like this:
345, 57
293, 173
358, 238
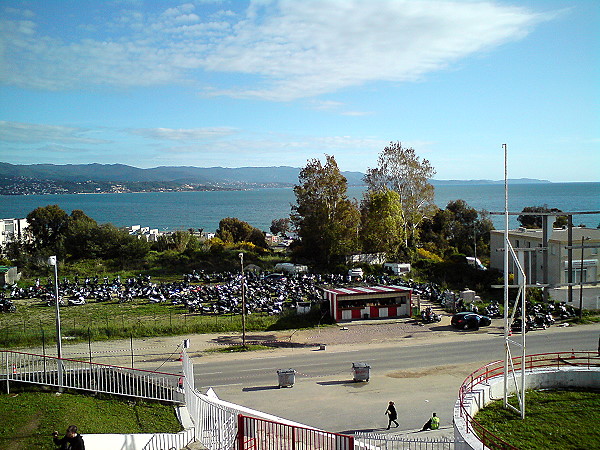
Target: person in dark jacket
71, 441
392, 415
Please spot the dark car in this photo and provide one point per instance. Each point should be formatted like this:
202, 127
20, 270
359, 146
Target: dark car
469, 320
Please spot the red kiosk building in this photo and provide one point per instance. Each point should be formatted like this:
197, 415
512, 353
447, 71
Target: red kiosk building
369, 302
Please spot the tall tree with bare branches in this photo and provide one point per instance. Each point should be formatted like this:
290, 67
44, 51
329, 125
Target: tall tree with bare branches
400, 169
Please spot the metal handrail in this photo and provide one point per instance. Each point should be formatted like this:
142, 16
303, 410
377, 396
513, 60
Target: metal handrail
496, 368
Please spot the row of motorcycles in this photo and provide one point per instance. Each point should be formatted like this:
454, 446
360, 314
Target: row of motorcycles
542, 316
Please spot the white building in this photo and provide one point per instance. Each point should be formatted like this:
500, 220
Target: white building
528, 244
12, 230
147, 233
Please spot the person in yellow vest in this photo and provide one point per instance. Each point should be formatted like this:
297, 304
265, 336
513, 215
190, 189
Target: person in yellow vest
432, 424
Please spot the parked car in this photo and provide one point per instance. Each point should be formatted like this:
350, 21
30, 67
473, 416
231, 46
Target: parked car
469, 320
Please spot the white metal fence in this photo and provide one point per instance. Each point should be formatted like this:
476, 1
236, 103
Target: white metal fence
387, 442
169, 441
73, 374
215, 424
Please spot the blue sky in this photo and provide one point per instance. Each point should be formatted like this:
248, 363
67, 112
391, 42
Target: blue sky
269, 83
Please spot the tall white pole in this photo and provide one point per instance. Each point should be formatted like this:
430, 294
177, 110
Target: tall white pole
506, 250
241, 255
59, 369
583, 238
52, 261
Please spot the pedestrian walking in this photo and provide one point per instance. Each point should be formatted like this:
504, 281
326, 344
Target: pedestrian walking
392, 415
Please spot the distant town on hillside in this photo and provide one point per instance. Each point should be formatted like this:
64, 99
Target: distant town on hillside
40, 179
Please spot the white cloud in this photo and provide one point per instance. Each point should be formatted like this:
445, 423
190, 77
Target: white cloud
315, 47
295, 49
356, 113
28, 133
274, 149
191, 134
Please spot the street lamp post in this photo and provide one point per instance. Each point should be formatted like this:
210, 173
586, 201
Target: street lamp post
475, 245
52, 262
241, 255
59, 367
583, 238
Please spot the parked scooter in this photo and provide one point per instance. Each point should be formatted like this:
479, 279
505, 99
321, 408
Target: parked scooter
429, 316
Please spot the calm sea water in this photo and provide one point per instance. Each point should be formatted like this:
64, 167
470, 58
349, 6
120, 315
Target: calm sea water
183, 210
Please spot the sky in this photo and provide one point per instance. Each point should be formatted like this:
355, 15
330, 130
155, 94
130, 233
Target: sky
277, 83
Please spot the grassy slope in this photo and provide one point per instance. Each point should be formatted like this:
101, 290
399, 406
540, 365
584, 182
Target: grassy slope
28, 418
553, 419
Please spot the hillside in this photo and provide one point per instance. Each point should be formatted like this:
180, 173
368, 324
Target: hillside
89, 178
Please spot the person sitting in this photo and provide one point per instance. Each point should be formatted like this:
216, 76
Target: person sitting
432, 424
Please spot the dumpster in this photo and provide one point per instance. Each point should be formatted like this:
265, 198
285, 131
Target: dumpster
360, 371
287, 377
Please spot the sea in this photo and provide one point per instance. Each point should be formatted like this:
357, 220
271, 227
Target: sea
170, 211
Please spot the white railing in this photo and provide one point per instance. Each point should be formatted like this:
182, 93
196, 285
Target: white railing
74, 374
389, 442
215, 424
162, 441
216, 420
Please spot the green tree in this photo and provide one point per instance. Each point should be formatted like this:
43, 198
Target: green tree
457, 229
280, 226
531, 221
120, 245
82, 236
326, 220
47, 227
382, 229
399, 169
180, 240
232, 230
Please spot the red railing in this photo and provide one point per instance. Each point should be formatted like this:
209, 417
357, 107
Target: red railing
496, 368
261, 434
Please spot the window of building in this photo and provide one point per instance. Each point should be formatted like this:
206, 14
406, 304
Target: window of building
577, 275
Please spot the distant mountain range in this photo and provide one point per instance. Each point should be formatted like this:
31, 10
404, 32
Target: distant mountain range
72, 178
120, 173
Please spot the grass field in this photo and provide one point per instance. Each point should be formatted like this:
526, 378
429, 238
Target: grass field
553, 419
30, 417
34, 323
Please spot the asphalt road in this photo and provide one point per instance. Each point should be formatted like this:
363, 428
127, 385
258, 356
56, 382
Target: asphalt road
420, 378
